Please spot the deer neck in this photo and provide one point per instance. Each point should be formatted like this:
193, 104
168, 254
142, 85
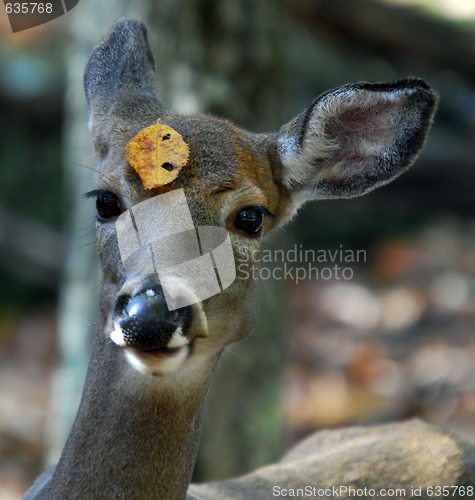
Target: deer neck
135, 436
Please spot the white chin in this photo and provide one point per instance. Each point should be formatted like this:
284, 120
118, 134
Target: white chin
156, 363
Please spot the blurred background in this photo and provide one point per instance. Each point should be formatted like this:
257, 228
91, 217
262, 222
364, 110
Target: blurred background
396, 341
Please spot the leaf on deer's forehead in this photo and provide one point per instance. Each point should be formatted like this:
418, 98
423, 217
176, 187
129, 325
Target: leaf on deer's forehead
157, 154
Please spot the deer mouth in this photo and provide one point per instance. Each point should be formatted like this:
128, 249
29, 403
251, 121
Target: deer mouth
157, 361
154, 359
154, 338
160, 350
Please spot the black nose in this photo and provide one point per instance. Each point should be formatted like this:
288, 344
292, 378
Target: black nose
146, 321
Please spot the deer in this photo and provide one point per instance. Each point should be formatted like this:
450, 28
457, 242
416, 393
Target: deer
137, 430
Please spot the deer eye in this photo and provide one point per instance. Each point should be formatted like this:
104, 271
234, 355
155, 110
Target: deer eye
250, 220
107, 205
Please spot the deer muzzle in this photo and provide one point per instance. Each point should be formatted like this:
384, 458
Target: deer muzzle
143, 321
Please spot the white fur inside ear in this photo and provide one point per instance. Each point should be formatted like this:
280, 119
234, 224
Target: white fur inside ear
288, 149
346, 131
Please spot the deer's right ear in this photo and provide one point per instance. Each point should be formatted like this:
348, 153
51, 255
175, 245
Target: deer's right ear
120, 75
355, 138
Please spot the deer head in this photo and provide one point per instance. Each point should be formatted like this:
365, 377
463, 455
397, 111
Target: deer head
347, 142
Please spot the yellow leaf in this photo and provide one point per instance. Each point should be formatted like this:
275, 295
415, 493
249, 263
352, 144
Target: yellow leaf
157, 154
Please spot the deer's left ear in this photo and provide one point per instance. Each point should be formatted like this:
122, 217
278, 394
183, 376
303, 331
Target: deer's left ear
355, 138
